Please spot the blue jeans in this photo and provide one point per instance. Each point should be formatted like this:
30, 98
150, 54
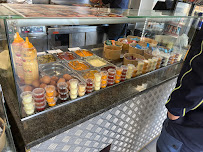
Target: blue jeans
167, 143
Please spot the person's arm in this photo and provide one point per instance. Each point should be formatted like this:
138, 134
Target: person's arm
188, 94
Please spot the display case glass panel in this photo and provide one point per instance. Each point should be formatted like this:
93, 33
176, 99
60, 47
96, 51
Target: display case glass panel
67, 53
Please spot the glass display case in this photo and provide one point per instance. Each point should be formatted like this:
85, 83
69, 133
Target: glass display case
67, 53
6, 139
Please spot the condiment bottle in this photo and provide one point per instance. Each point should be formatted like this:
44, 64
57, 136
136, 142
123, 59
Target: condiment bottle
16, 48
104, 75
73, 88
97, 81
30, 64
130, 71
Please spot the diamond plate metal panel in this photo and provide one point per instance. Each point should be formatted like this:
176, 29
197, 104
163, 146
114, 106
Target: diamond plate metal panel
128, 127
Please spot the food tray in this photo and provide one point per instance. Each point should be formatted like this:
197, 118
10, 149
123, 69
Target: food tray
85, 74
78, 68
81, 56
54, 69
46, 58
97, 57
65, 56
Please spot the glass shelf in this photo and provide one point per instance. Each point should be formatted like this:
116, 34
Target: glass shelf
9, 146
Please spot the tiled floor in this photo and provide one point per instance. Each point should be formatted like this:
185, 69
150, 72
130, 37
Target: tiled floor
151, 147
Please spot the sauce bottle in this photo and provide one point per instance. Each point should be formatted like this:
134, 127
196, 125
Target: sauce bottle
30, 64
17, 52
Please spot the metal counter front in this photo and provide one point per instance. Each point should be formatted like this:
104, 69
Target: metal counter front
127, 127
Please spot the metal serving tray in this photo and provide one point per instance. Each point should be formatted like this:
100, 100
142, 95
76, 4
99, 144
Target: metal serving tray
54, 69
72, 53
68, 64
85, 56
41, 58
101, 59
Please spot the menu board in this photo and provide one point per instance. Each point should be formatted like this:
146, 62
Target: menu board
59, 11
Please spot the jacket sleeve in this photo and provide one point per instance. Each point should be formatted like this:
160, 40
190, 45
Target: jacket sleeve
188, 94
107, 1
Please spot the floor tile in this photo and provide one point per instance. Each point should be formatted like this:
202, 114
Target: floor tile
152, 146
144, 150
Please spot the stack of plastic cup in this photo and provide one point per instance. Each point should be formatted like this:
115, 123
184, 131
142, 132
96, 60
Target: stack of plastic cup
154, 63
130, 71
104, 75
97, 81
73, 88
90, 86
124, 71
39, 98
145, 66
140, 67
171, 58
29, 105
63, 91
159, 62
134, 73
111, 76
118, 74
150, 65
81, 89
50, 95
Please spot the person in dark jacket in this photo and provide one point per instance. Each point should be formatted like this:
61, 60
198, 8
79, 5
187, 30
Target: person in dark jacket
183, 129
115, 31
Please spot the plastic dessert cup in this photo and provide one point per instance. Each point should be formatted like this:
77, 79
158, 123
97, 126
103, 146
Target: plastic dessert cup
29, 111
111, 72
53, 103
104, 74
82, 87
39, 100
27, 97
73, 91
89, 82
97, 77
50, 99
80, 93
29, 106
41, 108
38, 93
50, 89
40, 104
73, 83
62, 87
124, 68
119, 70
73, 96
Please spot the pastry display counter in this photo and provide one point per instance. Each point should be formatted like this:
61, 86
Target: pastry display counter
56, 90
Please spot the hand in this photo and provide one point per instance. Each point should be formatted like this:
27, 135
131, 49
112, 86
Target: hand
172, 117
